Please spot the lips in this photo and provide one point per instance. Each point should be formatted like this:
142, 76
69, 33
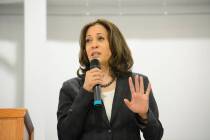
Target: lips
95, 54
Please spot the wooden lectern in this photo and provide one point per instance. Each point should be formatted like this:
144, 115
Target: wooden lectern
15, 124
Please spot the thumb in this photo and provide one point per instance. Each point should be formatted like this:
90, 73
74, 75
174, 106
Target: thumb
127, 103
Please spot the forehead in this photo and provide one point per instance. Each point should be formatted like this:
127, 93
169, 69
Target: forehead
95, 29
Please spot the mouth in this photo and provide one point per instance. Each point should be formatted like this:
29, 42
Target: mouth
95, 54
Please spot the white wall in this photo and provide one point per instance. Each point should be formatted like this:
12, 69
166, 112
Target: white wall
173, 51
11, 60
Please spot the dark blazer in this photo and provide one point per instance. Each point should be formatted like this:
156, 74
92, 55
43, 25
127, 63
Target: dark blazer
79, 120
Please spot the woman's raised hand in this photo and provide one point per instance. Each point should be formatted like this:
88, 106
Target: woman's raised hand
139, 97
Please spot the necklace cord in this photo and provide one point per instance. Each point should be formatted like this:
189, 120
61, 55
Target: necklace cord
108, 84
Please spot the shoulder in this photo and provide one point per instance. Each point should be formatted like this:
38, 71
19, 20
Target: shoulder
133, 74
75, 82
145, 77
139, 74
71, 87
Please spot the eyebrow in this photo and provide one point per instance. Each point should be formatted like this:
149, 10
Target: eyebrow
97, 34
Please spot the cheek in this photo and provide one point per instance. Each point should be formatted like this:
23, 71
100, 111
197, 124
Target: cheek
87, 52
108, 54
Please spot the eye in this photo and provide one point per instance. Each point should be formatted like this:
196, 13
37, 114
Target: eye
87, 40
100, 38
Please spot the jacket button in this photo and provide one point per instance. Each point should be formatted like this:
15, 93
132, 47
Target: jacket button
70, 110
109, 130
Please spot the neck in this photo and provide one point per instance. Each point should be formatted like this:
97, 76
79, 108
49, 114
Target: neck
106, 73
105, 69
108, 81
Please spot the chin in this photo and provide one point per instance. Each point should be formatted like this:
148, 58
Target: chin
95, 58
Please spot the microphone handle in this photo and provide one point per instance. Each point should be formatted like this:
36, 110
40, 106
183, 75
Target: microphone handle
97, 95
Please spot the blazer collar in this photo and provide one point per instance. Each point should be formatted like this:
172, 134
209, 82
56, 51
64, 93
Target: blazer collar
121, 91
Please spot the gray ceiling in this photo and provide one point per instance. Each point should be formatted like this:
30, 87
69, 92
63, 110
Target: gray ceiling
117, 2
128, 7
128, 2
114, 7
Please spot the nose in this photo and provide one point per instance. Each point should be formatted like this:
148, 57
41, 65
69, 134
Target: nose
94, 45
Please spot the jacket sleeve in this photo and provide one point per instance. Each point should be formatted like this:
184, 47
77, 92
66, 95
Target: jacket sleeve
152, 130
74, 102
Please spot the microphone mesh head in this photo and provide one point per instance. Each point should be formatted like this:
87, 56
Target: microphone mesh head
94, 63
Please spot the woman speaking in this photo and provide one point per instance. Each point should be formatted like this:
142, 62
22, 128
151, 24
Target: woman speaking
127, 106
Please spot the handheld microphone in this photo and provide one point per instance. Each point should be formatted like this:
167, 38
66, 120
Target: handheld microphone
94, 63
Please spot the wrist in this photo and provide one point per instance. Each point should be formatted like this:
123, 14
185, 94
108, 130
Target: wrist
87, 89
143, 116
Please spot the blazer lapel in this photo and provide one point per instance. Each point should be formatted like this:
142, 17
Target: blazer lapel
104, 116
120, 91
100, 115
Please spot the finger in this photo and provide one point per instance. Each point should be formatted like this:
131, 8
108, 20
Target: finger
95, 70
96, 75
137, 86
148, 89
98, 81
141, 85
131, 85
127, 103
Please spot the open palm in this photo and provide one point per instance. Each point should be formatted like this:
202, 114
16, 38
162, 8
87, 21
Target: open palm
139, 98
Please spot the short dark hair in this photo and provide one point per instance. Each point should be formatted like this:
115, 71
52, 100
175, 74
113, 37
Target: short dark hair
120, 62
